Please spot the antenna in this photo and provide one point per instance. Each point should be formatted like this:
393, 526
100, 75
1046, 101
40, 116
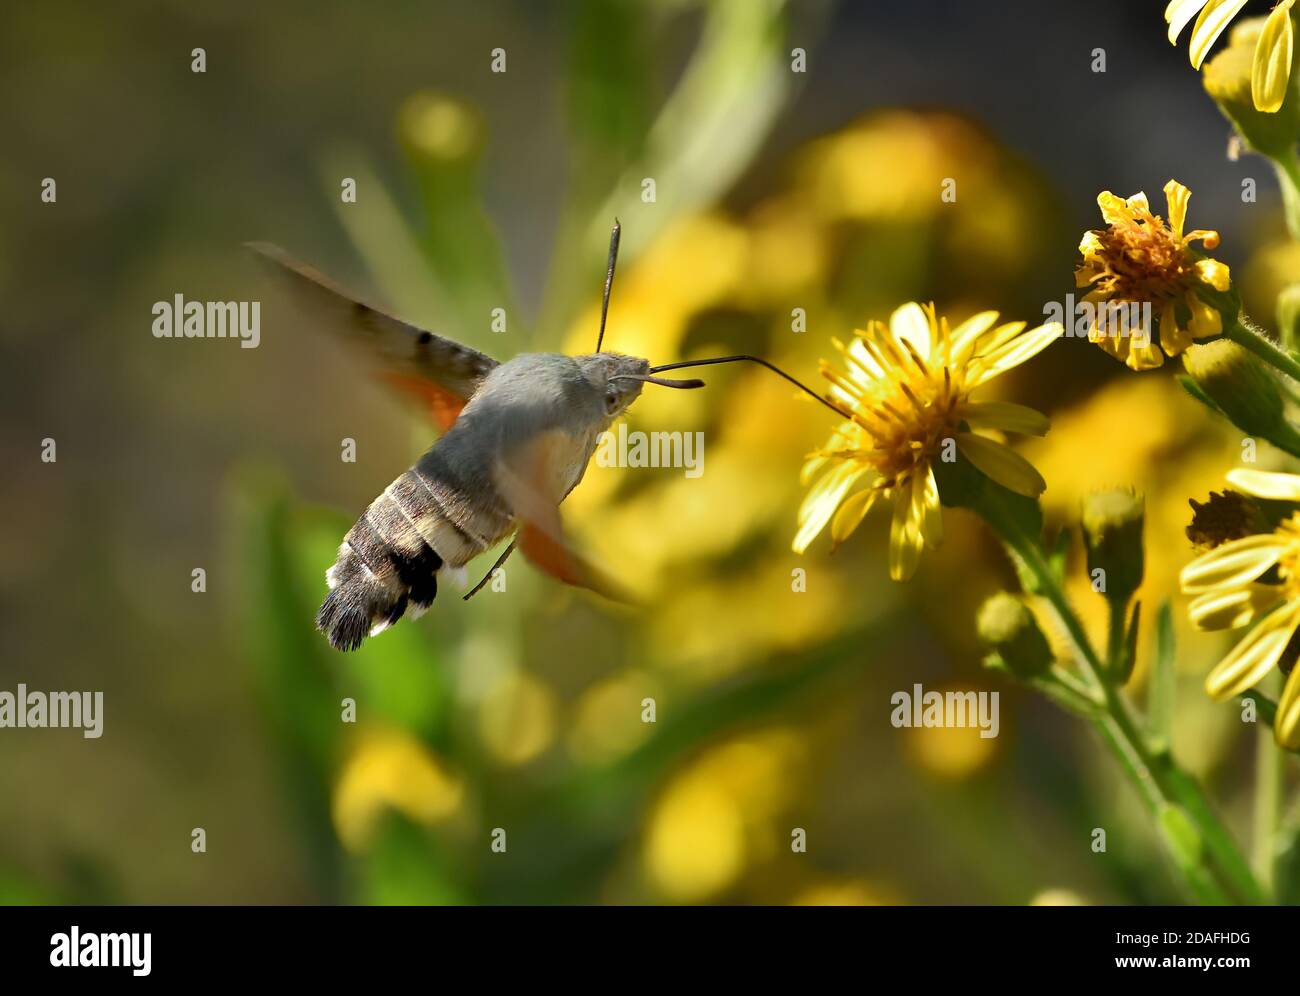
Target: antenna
761, 362
609, 280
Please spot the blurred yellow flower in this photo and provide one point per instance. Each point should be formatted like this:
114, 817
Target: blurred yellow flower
1058, 897
607, 721
1138, 261
391, 769
715, 818
517, 718
1273, 47
1231, 592
907, 388
853, 892
949, 752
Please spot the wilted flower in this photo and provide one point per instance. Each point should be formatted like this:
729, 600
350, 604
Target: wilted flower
1223, 517
1273, 47
1255, 579
907, 386
1138, 260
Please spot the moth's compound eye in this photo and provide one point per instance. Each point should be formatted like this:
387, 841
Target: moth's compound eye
611, 402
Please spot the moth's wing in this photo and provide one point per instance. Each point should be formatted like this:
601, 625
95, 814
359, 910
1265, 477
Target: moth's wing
440, 374
527, 480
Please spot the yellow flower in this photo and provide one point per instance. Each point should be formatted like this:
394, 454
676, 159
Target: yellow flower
391, 769
1254, 579
1272, 67
1139, 262
907, 387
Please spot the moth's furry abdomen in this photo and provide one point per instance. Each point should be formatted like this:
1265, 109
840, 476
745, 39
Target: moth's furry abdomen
380, 572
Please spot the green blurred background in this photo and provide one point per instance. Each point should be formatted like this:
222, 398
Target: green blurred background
522, 710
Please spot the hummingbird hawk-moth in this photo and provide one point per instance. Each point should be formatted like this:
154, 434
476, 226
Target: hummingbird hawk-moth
517, 438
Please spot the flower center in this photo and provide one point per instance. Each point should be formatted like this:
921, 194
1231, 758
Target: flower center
1143, 261
909, 423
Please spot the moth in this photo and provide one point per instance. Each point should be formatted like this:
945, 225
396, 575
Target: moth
517, 438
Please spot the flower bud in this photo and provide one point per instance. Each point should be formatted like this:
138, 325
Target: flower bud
1112, 528
440, 130
1006, 626
1227, 78
1243, 388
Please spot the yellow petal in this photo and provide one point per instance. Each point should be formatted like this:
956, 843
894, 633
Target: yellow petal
926, 510
1017, 351
1230, 608
1005, 415
1114, 209
1177, 196
1206, 321
1215, 16
858, 350
1214, 273
1178, 13
848, 434
1286, 728
904, 536
1253, 657
1002, 463
1090, 245
965, 335
1272, 68
1173, 337
851, 514
911, 323
1232, 564
1265, 484
1143, 354
821, 502
993, 340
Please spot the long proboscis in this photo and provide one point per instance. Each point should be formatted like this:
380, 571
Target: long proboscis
681, 385
761, 362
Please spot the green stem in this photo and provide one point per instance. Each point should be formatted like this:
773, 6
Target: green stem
1264, 348
1287, 165
1269, 784
1116, 636
1155, 774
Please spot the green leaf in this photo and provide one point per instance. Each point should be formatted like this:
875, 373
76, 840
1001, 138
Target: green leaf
405, 866
1186, 846
609, 88
1013, 516
402, 679
1124, 666
288, 663
1059, 554
705, 135
1287, 881
1265, 706
1163, 688
1191, 387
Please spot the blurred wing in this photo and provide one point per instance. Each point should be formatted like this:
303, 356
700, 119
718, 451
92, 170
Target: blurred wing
528, 482
440, 374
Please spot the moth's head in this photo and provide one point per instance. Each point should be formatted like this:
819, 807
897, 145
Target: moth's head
616, 377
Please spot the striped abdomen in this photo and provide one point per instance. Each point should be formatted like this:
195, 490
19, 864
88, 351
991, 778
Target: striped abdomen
421, 525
